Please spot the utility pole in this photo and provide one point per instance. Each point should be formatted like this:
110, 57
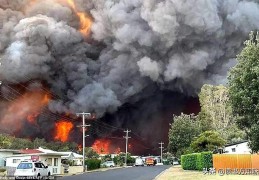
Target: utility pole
83, 126
0, 65
127, 138
161, 147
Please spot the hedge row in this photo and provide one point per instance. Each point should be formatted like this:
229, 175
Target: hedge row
93, 164
197, 161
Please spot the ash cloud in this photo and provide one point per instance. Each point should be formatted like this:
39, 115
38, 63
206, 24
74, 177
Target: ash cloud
176, 45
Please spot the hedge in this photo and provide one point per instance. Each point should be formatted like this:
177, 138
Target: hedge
189, 161
197, 161
93, 164
206, 160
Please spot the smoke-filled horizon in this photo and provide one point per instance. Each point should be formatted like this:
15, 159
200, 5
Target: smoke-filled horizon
132, 48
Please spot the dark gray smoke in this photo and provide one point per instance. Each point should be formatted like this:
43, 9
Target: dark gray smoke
176, 45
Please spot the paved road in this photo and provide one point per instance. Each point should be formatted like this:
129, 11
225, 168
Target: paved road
131, 173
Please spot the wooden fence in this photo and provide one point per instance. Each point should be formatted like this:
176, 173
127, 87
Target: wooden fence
235, 161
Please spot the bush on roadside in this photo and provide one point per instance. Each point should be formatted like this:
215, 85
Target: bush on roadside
189, 161
197, 161
206, 160
93, 164
2, 169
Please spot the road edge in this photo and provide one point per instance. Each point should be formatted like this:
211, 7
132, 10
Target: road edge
157, 177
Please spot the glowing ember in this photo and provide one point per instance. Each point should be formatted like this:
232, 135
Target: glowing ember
85, 20
31, 118
80, 147
117, 151
27, 106
63, 129
102, 146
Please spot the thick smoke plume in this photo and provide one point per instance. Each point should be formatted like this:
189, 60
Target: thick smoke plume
136, 48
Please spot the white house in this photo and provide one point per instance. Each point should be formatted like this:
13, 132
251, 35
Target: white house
5, 153
237, 148
72, 156
50, 158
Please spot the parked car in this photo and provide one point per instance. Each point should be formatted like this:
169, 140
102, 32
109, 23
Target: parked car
175, 163
139, 162
108, 164
150, 162
31, 170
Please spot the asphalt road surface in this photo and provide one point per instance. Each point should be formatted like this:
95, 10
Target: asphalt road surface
131, 173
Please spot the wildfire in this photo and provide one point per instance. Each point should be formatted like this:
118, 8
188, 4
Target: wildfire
28, 106
80, 147
31, 118
102, 146
85, 20
117, 151
63, 129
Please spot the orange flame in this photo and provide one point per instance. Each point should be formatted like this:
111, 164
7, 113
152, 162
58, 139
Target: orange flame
63, 129
27, 106
80, 147
118, 150
102, 146
31, 118
85, 20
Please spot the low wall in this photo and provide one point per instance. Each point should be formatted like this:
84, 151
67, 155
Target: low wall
72, 170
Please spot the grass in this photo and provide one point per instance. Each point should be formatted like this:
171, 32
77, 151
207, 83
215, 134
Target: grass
177, 173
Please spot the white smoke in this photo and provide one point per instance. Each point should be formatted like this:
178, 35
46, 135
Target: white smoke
178, 45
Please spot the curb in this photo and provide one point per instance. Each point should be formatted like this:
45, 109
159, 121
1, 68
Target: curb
157, 177
96, 170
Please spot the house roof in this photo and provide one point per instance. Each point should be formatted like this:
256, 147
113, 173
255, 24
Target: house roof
30, 151
72, 155
236, 143
9, 150
37, 152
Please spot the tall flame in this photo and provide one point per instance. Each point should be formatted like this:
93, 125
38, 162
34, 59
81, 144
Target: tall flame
63, 128
85, 20
102, 146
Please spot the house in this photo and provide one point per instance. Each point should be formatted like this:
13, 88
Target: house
5, 153
237, 148
72, 156
50, 158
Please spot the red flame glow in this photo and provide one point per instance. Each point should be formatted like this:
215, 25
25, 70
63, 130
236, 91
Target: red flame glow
63, 128
27, 106
102, 146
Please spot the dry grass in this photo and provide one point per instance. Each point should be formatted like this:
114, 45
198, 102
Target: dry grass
177, 173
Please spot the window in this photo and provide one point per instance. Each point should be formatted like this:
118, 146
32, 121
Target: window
42, 165
38, 165
25, 166
233, 149
55, 161
16, 161
55, 170
49, 161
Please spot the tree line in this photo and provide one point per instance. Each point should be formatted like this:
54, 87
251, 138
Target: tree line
228, 113
10, 142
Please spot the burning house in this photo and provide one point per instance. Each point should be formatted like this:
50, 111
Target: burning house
133, 63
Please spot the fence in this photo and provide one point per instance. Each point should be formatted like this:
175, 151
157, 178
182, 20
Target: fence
235, 161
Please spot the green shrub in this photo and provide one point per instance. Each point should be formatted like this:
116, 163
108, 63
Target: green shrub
93, 164
206, 160
188, 161
2, 169
197, 161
